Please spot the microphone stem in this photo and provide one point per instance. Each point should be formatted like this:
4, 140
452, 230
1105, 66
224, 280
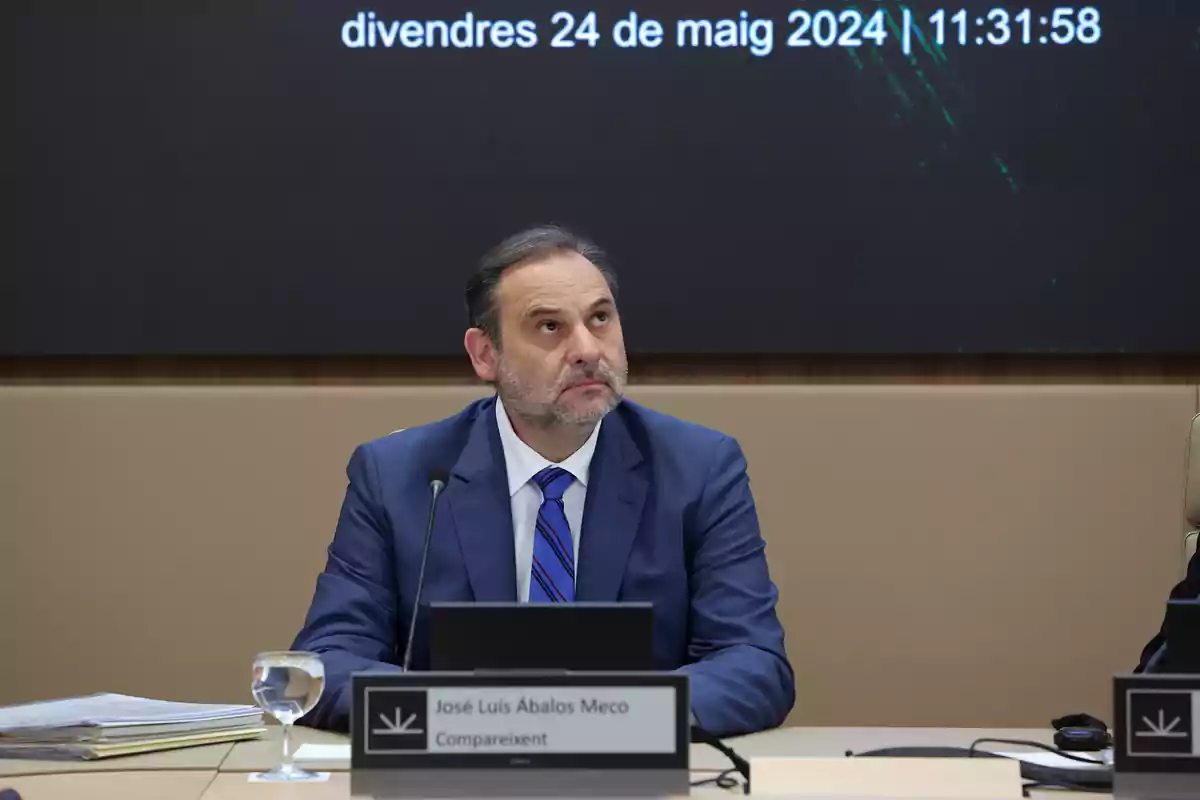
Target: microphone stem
436, 488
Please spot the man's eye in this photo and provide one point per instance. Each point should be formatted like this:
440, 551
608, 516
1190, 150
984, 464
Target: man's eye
601, 316
550, 326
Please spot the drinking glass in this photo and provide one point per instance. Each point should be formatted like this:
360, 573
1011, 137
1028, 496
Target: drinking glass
286, 685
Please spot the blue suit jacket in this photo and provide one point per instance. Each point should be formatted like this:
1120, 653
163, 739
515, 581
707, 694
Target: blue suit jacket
669, 519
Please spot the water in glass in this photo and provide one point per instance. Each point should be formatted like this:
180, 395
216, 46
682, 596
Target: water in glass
287, 685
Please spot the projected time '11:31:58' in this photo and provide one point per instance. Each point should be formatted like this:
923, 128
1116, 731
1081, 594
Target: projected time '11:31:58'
999, 26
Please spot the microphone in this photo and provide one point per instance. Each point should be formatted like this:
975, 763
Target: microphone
437, 482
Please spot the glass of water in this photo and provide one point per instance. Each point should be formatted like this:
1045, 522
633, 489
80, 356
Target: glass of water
286, 685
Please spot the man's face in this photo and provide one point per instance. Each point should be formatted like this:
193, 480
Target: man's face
561, 355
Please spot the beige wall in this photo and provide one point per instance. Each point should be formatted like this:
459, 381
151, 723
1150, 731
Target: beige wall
947, 555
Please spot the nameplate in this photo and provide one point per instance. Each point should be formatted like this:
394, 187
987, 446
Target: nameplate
1156, 736
506, 733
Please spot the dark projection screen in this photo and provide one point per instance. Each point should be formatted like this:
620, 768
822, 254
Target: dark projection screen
317, 177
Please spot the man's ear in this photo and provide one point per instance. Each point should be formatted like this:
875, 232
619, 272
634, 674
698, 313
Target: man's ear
483, 353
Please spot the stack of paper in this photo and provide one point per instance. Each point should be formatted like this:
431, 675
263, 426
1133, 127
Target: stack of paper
103, 725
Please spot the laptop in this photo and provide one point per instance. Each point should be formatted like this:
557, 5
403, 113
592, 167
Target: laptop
1182, 634
584, 637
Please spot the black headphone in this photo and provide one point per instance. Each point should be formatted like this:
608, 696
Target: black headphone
1081, 733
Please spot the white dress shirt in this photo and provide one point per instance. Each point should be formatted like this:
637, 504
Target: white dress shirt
522, 462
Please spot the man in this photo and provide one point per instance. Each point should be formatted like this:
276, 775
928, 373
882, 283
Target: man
1187, 589
557, 470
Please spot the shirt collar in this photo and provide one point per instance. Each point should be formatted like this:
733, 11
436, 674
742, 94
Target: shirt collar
522, 462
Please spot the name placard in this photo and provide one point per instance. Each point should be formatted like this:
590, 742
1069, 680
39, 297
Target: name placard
515, 733
1156, 736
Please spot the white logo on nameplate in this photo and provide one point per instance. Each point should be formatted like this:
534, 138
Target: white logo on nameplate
1162, 722
396, 720
398, 727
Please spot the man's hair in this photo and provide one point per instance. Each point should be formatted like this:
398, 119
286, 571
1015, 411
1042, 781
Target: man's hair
528, 245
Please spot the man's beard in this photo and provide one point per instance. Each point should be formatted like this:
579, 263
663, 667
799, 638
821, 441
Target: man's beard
545, 408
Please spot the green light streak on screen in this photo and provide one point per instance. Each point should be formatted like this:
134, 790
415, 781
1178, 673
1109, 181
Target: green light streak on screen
925, 50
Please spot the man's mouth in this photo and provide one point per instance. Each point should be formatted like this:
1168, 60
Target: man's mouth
587, 384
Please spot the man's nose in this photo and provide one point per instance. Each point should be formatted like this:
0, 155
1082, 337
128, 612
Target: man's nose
584, 347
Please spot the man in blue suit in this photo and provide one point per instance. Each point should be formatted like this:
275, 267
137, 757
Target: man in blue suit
557, 470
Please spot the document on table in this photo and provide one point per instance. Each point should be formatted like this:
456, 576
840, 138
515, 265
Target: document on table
114, 711
1046, 759
323, 752
101, 725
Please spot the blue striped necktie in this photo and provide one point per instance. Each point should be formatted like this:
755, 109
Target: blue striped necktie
553, 571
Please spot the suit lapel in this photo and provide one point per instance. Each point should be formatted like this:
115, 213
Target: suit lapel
481, 508
612, 512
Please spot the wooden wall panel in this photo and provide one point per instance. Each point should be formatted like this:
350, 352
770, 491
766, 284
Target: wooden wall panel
946, 555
